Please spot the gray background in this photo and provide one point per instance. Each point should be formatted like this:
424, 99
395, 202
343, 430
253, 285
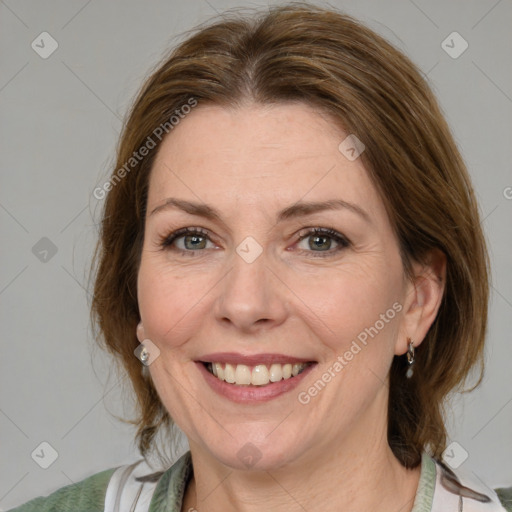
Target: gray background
61, 117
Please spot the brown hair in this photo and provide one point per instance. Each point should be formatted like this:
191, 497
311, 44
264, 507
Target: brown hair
305, 53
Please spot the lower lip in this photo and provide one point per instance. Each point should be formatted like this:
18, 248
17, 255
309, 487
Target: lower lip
252, 394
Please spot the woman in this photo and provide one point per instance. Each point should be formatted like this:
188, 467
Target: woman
291, 248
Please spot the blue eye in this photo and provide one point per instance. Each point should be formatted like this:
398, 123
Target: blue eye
193, 239
196, 239
321, 238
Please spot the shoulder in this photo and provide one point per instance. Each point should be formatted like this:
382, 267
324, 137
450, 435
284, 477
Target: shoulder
505, 496
463, 488
130, 487
86, 495
171, 487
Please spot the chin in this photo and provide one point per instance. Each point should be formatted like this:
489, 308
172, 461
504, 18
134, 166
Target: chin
259, 452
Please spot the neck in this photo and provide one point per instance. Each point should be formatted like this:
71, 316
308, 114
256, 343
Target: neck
358, 473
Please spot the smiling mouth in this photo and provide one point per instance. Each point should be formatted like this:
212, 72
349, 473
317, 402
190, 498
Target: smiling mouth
258, 375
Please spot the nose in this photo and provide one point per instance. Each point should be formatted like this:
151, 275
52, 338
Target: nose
251, 296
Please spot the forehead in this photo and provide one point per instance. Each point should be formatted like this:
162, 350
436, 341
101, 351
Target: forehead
259, 155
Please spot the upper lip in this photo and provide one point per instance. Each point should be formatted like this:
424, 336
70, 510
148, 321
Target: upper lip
251, 360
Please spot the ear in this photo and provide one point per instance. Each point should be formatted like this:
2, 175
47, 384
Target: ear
423, 296
141, 336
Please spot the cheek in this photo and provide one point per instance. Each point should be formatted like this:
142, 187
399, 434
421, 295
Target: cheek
168, 300
174, 300
353, 300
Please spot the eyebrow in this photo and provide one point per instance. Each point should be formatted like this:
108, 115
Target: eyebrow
298, 209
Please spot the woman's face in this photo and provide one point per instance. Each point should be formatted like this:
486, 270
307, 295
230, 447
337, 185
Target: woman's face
253, 286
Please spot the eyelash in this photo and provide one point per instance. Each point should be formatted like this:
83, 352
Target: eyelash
167, 241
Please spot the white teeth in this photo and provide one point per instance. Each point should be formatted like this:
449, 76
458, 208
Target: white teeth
242, 374
259, 375
287, 371
276, 373
229, 373
218, 371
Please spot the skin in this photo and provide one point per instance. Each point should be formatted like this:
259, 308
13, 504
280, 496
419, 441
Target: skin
294, 299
